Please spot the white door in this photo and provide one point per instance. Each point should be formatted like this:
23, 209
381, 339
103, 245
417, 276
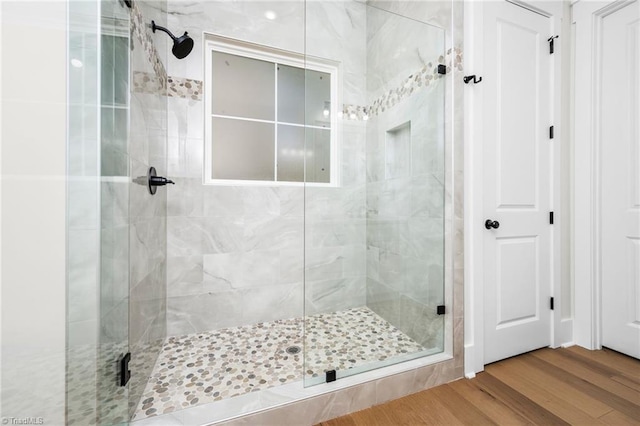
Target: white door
516, 183
620, 174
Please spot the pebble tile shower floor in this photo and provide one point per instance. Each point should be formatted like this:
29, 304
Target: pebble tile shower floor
206, 367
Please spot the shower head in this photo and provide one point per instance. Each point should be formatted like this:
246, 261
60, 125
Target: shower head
182, 45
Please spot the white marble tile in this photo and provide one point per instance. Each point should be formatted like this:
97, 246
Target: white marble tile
191, 314
323, 263
270, 303
185, 118
410, 43
264, 231
329, 295
223, 201
184, 236
185, 156
184, 275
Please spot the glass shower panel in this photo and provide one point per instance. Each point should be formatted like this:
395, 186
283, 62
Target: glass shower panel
98, 229
374, 244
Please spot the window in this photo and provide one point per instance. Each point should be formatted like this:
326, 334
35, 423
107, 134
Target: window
270, 115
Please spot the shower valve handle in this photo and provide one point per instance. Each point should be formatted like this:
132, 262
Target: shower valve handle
160, 181
153, 180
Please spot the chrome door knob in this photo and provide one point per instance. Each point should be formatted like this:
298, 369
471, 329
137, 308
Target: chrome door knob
491, 224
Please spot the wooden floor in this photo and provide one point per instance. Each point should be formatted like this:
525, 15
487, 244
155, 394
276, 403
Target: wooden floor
549, 386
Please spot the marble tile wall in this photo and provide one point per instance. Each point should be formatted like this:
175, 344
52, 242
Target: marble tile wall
235, 253
405, 177
147, 213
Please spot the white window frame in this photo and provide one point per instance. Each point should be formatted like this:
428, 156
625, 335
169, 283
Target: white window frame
218, 43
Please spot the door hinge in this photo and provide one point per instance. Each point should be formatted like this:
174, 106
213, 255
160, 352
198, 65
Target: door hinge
551, 134
550, 40
551, 218
440, 310
330, 376
551, 303
442, 69
125, 373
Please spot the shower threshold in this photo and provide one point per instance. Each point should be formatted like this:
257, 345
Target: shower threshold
201, 368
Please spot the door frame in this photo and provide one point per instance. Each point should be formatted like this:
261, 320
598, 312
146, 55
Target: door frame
560, 332
587, 17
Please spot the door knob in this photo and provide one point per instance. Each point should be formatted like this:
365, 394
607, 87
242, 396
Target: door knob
491, 224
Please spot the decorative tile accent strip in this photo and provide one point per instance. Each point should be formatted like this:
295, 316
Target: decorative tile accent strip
140, 29
206, 367
193, 89
184, 88
144, 82
416, 81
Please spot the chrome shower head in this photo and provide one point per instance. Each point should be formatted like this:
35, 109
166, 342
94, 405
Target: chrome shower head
182, 45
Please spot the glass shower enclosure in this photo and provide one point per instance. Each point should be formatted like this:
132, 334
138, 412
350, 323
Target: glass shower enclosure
374, 235
358, 165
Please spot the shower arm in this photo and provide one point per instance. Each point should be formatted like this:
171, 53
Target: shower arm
155, 27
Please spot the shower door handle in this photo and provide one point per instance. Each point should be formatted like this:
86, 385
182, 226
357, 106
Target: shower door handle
491, 224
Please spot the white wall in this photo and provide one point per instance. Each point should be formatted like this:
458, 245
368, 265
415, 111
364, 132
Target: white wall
33, 169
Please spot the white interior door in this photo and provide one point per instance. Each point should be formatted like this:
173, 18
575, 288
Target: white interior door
517, 113
620, 174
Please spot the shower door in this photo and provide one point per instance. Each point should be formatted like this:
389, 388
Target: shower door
98, 212
374, 190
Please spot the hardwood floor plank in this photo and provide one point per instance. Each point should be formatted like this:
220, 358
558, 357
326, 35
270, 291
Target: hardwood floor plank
462, 409
495, 409
616, 418
340, 421
544, 387
511, 374
374, 416
537, 373
628, 383
614, 394
624, 364
516, 401
436, 413
606, 363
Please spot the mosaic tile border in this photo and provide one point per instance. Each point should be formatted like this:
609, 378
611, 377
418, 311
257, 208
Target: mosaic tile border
146, 82
140, 30
185, 88
193, 89
413, 83
206, 367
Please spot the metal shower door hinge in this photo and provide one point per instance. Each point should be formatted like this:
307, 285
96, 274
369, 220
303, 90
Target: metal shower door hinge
125, 373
